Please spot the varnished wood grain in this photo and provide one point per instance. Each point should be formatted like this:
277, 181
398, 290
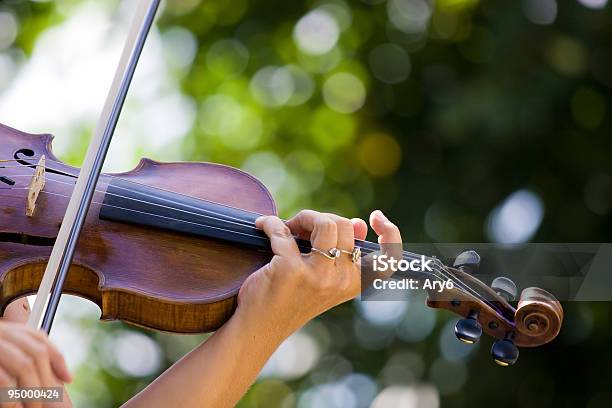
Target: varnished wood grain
156, 279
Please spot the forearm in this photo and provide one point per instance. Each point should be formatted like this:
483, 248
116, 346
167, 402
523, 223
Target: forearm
215, 374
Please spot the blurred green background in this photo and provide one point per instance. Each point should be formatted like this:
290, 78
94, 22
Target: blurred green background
464, 120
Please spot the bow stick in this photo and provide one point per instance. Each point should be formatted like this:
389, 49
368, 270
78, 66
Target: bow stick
50, 289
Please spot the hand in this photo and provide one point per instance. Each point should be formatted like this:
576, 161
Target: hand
27, 357
273, 302
292, 289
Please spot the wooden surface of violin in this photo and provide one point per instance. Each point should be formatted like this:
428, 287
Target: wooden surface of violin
153, 278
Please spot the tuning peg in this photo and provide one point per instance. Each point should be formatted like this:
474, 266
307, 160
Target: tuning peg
504, 352
468, 330
505, 288
467, 261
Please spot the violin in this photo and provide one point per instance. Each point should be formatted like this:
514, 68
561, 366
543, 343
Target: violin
166, 246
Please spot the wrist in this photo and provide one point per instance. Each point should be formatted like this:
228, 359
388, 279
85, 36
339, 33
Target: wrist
260, 328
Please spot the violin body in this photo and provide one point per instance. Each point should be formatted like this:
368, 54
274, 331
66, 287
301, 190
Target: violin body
149, 277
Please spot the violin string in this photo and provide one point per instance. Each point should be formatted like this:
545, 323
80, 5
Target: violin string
366, 251
237, 221
441, 272
212, 214
444, 270
112, 177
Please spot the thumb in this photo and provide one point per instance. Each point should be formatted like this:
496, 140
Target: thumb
18, 311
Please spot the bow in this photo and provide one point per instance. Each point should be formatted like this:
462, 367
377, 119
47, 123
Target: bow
50, 289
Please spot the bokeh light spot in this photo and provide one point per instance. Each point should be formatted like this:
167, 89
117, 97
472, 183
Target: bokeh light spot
517, 218
236, 126
180, 47
331, 130
320, 64
136, 354
303, 85
340, 11
227, 57
389, 63
409, 16
267, 167
344, 92
362, 386
332, 395
417, 322
8, 29
294, 358
382, 312
380, 154
594, 4
421, 396
567, 55
308, 167
272, 86
542, 12
317, 32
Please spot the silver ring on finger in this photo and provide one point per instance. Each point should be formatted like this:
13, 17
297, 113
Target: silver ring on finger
355, 254
331, 254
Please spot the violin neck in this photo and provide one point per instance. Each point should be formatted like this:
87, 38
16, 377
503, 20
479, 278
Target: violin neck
138, 204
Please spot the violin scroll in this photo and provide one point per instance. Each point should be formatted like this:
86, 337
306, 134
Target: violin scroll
539, 315
535, 320
538, 318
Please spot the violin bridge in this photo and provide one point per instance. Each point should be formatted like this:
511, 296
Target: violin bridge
36, 185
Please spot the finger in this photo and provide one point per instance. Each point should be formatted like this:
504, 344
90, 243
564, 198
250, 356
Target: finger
56, 359
7, 381
360, 228
36, 350
20, 366
387, 232
322, 229
58, 363
18, 310
345, 231
298, 227
389, 236
52, 368
281, 240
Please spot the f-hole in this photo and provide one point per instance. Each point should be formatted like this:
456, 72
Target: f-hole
26, 152
30, 153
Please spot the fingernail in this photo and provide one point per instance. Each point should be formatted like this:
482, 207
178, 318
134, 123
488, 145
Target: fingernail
381, 214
